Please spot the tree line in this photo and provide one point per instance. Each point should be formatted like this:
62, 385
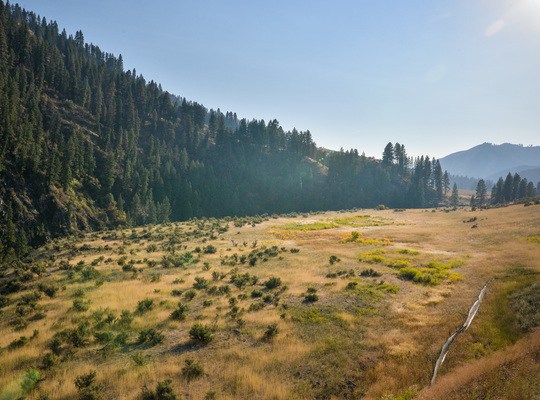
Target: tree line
512, 188
86, 144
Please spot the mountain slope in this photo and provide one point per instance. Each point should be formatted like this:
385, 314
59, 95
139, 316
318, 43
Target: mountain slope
487, 160
532, 174
85, 144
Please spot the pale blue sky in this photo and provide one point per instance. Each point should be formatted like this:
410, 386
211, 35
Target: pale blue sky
438, 76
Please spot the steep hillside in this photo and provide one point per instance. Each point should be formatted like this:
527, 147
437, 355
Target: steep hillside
85, 145
490, 160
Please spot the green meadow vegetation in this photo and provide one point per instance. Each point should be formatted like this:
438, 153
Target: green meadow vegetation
227, 308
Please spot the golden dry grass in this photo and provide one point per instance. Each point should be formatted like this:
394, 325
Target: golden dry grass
363, 339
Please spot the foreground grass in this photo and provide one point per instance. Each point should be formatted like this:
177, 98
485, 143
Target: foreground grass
315, 306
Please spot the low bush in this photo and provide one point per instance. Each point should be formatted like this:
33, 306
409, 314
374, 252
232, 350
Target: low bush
48, 289
271, 331
180, 312
190, 294
87, 387
311, 297
150, 337
145, 305
272, 283
333, 260
200, 283
202, 334
81, 305
192, 370
370, 272
164, 391
210, 249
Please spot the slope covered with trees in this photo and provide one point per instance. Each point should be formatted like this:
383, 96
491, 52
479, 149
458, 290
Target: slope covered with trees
85, 144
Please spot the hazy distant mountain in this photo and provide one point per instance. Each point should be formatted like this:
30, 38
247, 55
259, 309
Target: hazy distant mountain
491, 161
528, 172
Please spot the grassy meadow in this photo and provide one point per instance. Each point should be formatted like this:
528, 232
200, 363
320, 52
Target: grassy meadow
337, 305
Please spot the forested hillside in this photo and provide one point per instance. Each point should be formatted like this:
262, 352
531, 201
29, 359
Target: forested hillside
85, 144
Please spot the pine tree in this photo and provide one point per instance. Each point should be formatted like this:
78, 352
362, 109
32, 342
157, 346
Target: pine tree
388, 155
10, 233
472, 202
21, 245
499, 191
508, 189
481, 193
530, 192
446, 182
438, 180
516, 181
454, 197
164, 211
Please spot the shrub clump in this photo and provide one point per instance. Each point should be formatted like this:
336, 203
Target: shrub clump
180, 312
150, 337
271, 331
311, 295
202, 334
192, 370
210, 249
272, 283
164, 391
145, 305
87, 387
370, 272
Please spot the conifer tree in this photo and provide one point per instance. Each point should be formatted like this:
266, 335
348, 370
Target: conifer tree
508, 189
388, 155
446, 182
481, 193
454, 197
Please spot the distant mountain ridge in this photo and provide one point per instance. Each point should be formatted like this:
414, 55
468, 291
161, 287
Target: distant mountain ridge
490, 161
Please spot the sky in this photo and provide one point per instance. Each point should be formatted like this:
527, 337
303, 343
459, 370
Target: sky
438, 76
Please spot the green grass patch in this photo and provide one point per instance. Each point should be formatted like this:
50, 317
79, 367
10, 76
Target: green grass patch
356, 237
409, 252
398, 264
534, 239
311, 226
371, 292
373, 257
355, 221
506, 314
362, 221
441, 266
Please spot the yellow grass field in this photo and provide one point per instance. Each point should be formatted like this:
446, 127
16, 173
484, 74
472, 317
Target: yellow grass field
362, 303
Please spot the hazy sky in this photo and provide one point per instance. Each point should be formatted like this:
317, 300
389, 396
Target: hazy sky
438, 76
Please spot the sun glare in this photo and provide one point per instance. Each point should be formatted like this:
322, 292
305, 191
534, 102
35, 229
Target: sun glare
527, 12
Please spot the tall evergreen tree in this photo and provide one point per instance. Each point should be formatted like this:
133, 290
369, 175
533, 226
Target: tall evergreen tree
388, 155
481, 193
454, 197
508, 189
